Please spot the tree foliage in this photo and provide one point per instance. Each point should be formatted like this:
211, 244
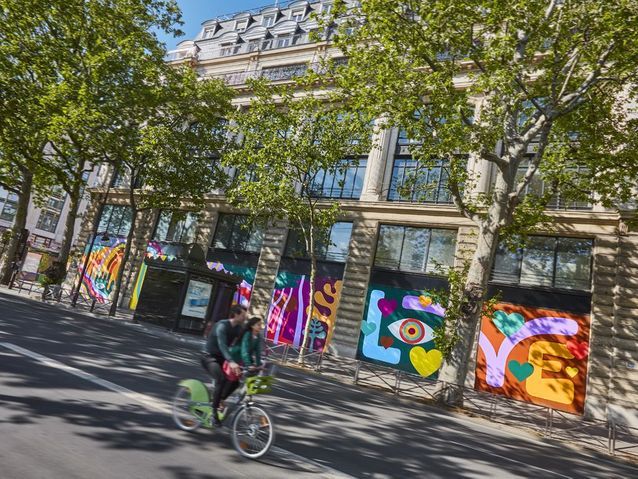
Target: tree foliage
517, 91
290, 136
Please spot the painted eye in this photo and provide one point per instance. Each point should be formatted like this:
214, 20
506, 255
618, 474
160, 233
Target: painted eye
411, 331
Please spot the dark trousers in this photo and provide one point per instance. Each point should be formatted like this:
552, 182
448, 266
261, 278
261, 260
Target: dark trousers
223, 387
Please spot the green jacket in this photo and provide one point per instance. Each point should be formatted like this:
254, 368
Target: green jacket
247, 350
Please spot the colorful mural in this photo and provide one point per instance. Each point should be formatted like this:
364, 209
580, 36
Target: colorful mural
535, 355
245, 288
398, 330
102, 267
290, 302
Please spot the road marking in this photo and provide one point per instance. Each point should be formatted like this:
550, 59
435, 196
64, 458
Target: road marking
143, 399
156, 405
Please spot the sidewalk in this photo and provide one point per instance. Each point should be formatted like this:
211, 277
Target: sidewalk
547, 423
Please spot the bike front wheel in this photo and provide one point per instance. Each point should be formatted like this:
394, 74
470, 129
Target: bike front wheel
252, 432
183, 414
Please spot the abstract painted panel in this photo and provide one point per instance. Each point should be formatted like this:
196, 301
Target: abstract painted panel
290, 302
398, 330
535, 355
104, 262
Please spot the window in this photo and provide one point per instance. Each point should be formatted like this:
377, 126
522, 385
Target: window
209, 32
241, 25
418, 250
253, 45
413, 182
228, 49
334, 249
283, 41
237, 233
346, 182
546, 261
48, 221
176, 226
326, 8
538, 187
57, 199
8, 205
268, 21
297, 15
115, 220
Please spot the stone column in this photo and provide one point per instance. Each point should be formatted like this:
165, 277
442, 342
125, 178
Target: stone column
355, 290
146, 221
375, 169
604, 277
267, 268
206, 227
623, 388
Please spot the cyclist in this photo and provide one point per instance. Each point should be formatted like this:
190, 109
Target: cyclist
249, 350
222, 336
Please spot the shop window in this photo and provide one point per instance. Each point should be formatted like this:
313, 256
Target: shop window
417, 250
176, 226
553, 262
115, 220
332, 248
238, 233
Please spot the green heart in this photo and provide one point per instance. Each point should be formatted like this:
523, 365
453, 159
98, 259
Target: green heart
368, 328
520, 371
508, 324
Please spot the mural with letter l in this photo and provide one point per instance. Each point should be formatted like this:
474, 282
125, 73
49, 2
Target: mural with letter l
535, 355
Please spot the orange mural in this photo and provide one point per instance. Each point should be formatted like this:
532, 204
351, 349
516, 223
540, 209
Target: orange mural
535, 355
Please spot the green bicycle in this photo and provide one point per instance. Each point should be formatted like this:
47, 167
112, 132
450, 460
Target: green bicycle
252, 429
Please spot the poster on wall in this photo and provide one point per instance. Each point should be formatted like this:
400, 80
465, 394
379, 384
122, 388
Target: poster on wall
398, 330
197, 299
31, 266
535, 355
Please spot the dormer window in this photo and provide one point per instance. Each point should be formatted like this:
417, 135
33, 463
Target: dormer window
241, 25
297, 15
284, 41
326, 8
209, 32
268, 21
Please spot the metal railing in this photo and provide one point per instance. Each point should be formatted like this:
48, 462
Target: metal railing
612, 436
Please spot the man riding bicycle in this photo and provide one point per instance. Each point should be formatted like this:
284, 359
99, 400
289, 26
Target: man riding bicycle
222, 336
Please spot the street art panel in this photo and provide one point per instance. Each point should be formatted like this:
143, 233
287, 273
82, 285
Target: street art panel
398, 330
102, 267
287, 313
535, 355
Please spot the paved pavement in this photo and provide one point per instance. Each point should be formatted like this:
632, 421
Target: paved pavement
84, 397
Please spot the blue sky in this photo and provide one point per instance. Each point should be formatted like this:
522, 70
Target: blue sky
194, 12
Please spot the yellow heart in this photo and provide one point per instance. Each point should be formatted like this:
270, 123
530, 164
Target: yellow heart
571, 371
425, 301
426, 363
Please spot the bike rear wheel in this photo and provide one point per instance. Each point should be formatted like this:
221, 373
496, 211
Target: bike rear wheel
252, 432
183, 415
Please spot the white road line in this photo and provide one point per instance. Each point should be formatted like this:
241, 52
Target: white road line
146, 401
155, 405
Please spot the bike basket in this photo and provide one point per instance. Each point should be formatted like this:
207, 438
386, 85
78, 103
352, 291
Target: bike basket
259, 384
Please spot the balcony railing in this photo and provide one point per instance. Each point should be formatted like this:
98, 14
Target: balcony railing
254, 46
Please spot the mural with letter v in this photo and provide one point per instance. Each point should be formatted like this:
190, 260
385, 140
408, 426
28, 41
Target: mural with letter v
535, 355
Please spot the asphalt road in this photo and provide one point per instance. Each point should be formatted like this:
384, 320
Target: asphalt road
88, 398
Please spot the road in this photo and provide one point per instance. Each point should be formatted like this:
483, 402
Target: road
82, 397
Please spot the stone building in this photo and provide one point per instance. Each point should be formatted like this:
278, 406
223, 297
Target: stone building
565, 333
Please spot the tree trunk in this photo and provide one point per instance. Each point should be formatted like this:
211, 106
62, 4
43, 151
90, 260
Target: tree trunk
311, 302
455, 368
19, 224
125, 257
69, 227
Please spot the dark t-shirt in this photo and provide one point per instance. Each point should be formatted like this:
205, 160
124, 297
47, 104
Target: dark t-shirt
221, 337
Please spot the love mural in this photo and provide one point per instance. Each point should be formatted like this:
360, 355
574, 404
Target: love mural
398, 330
535, 355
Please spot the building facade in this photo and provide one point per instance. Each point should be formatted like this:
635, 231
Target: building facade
564, 334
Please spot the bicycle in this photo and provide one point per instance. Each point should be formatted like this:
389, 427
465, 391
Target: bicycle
252, 429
